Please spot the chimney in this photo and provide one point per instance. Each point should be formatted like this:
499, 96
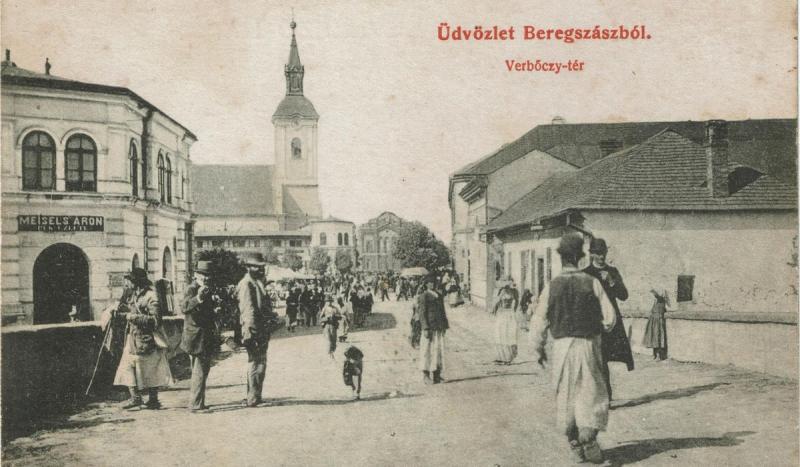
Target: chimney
47, 66
7, 61
716, 146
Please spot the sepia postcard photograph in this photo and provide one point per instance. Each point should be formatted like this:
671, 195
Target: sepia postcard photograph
399, 233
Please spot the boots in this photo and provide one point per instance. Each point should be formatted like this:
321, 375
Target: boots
152, 399
135, 400
576, 452
591, 450
427, 377
437, 376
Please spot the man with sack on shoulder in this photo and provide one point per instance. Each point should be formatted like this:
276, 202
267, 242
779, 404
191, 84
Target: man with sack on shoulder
143, 366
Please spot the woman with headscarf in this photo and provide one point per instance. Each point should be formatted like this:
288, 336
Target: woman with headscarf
506, 328
143, 367
655, 334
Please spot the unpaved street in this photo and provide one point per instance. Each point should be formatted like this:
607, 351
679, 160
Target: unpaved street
668, 413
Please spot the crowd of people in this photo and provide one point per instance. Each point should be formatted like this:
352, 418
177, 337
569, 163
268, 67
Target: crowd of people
578, 309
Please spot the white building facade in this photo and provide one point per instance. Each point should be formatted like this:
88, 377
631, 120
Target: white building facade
95, 180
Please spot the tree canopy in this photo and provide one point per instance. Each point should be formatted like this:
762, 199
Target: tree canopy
417, 246
344, 262
292, 261
319, 261
228, 270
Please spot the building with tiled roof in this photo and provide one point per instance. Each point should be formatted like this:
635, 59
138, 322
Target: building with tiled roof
248, 208
484, 189
685, 217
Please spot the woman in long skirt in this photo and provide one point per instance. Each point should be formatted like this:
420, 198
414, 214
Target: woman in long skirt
506, 328
655, 334
347, 318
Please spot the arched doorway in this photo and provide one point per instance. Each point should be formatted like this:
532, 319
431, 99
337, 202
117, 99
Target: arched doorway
60, 280
166, 265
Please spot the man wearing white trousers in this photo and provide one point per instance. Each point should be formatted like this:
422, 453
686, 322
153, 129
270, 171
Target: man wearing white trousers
576, 311
433, 321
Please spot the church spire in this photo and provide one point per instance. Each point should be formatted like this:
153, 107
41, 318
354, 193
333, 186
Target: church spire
294, 69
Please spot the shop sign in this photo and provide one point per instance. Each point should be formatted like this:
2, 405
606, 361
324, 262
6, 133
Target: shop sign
56, 223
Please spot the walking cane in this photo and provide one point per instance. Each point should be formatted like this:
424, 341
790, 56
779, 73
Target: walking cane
99, 354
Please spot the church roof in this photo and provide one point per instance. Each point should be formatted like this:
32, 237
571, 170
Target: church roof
296, 106
232, 190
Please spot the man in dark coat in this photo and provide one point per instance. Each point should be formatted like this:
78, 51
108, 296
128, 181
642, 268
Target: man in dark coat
434, 324
199, 338
615, 347
307, 304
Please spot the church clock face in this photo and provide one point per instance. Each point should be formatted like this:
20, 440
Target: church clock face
295, 122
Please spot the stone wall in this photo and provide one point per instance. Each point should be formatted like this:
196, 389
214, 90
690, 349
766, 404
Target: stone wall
763, 342
46, 369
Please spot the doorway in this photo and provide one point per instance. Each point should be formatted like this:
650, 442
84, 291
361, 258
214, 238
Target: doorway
60, 281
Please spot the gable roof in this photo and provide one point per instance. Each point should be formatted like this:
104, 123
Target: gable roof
768, 144
12, 74
666, 172
232, 190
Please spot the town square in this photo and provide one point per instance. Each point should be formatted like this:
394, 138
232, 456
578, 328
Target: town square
260, 233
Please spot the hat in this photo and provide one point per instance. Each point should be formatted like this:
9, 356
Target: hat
598, 245
138, 276
254, 259
571, 245
204, 267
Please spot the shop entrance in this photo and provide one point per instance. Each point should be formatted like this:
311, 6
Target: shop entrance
60, 280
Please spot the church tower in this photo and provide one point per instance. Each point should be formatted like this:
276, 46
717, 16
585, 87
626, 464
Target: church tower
295, 182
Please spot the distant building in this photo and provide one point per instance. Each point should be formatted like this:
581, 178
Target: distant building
376, 240
267, 207
95, 180
719, 235
333, 235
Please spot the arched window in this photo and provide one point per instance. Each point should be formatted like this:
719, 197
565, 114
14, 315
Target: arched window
323, 239
134, 161
340, 239
297, 149
135, 261
183, 187
81, 164
168, 176
346, 239
38, 162
161, 169
166, 264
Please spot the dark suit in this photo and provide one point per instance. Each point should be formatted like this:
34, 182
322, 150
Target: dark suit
615, 345
199, 339
255, 312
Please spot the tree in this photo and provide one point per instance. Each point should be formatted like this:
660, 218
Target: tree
319, 261
344, 262
417, 246
292, 261
228, 270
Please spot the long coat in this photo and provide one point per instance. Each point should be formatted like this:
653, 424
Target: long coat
255, 310
199, 330
616, 346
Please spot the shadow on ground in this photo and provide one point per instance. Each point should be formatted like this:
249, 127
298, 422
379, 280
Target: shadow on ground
493, 375
373, 322
637, 451
288, 401
668, 395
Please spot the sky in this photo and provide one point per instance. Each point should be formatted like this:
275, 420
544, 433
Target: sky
399, 109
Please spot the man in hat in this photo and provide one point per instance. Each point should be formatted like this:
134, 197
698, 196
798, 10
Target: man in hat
199, 338
616, 346
434, 324
255, 314
143, 366
575, 309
